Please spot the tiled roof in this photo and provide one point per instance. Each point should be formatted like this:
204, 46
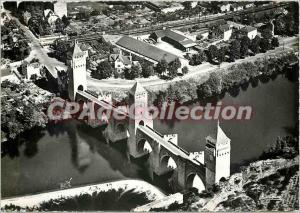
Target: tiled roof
248, 29
124, 59
224, 27
174, 36
145, 49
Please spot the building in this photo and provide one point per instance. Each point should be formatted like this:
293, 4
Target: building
144, 50
194, 4
217, 156
60, 8
70, 51
120, 62
237, 7
164, 6
33, 70
226, 30
78, 66
177, 40
251, 32
225, 7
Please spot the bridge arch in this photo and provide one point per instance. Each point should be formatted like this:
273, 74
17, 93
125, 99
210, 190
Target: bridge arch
144, 145
194, 181
167, 162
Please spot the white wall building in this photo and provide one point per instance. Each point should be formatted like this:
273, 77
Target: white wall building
60, 8
33, 69
224, 7
251, 32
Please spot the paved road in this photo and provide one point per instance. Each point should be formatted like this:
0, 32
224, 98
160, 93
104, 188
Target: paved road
38, 51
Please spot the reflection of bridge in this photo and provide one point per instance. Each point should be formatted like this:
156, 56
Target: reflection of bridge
189, 170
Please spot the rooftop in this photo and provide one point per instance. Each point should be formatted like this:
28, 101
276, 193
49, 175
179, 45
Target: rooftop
174, 36
137, 88
248, 29
218, 135
124, 59
145, 49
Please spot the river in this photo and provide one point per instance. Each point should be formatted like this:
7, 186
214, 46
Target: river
46, 158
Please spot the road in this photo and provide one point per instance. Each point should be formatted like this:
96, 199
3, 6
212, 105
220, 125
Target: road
197, 72
37, 50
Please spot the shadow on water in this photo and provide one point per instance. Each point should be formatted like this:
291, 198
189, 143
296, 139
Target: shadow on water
245, 86
29, 139
234, 91
254, 82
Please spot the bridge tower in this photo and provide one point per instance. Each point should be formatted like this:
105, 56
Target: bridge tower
77, 77
139, 115
217, 156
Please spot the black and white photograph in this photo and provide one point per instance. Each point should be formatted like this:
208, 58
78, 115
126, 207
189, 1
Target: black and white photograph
149, 106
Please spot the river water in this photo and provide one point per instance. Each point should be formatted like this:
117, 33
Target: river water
72, 150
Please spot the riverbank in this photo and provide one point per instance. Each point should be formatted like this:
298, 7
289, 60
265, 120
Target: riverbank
34, 202
188, 87
224, 79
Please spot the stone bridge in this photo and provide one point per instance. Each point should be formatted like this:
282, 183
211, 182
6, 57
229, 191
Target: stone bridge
197, 170
164, 155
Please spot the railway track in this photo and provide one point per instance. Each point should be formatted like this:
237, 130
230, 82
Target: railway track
178, 24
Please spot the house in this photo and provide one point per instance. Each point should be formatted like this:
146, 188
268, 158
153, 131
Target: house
144, 50
52, 20
249, 5
226, 30
202, 33
194, 4
164, 6
120, 62
225, 7
237, 7
33, 70
251, 32
176, 39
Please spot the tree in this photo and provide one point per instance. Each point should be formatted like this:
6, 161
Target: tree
212, 52
197, 58
187, 5
275, 42
176, 63
173, 67
235, 47
245, 42
147, 71
161, 67
264, 45
135, 71
254, 45
221, 55
65, 20
185, 70
59, 26
267, 32
104, 70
